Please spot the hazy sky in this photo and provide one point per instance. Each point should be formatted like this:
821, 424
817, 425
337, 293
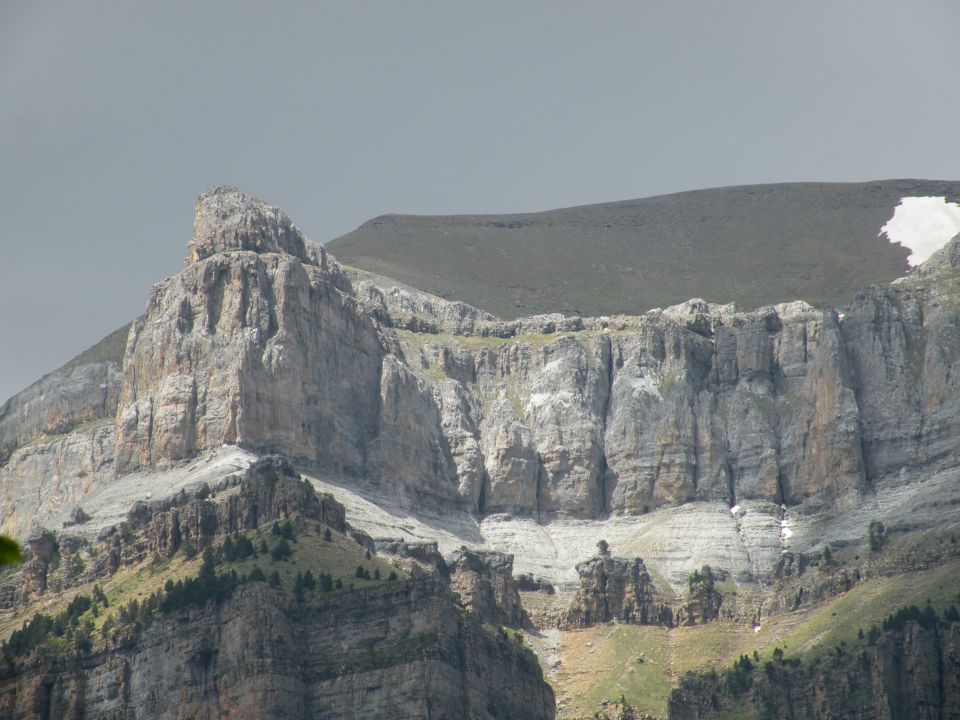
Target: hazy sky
115, 115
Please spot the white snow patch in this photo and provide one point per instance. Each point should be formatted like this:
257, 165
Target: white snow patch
785, 532
735, 509
923, 225
756, 628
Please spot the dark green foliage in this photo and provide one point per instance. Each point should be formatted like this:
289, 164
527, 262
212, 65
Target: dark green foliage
376, 573
203, 492
392, 576
282, 550
338, 584
275, 579
227, 551
367, 555
99, 597
264, 548
926, 618
284, 530
951, 615
188, 549
827, 558
326, 583
236, 550
327, 535
877, 535
42, 626
256, 575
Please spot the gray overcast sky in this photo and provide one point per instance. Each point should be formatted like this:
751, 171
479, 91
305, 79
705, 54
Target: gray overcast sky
115, 115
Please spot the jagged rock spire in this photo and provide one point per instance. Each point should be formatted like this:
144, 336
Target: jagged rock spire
230, 219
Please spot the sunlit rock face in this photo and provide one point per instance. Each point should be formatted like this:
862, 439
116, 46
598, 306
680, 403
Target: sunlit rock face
264, 341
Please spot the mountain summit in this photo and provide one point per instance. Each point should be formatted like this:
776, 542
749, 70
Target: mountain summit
753, 245
301, 485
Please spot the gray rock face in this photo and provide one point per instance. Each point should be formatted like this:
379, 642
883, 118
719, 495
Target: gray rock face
264, 341
41, 478
614, 588
484, 581
228, 220
910, 672
259, 349
392, 652
59, 402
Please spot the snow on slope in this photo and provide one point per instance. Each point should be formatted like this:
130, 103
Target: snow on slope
922, 224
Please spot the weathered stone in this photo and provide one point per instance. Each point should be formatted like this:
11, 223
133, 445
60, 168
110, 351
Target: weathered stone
613, 588
388, 652
484, 582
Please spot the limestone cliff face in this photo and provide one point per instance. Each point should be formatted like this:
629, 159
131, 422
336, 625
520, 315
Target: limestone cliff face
269, 490
484, 581
265, 341
249, 345
82, 392
909, 674
44, 477
401, 651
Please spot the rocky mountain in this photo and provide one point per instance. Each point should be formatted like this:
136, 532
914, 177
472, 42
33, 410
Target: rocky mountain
911, 668
401, 648
754, 245
695, 439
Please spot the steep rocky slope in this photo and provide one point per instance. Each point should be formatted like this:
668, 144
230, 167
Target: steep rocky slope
688, 436
907, 671
394, 648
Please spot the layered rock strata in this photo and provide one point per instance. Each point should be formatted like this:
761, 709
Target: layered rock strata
484, 582
264, 341
268, 491
398, 651
911, 673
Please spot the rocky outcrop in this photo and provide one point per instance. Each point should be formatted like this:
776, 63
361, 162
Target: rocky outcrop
264, 341
84, 391
613, 588
44, 477
270, 490
704, 599
484, 582
907, 673
396, 651
417, 559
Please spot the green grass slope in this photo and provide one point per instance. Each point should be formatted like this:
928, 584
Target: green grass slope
755, 244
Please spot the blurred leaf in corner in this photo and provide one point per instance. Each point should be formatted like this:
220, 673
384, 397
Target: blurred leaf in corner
9, 551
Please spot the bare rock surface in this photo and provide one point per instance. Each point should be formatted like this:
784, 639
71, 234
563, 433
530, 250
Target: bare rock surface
389, 653
690, 435
484, 581
616, 589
